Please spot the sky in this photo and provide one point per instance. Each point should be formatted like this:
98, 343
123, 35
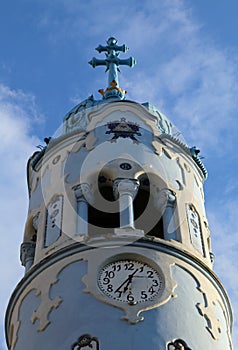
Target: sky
187, 66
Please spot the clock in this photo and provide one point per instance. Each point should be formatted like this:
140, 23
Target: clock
130, 281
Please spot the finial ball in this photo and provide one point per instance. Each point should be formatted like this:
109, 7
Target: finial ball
111, 41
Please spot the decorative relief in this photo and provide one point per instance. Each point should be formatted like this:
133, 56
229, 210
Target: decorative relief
77, 117
181, 170
90, 140
123, 129
207, 308
207, 311
42, 290
164, 125
157, 147
178, 344
46, 305
56, 159
125, 166
187, 168
167, 153
194, 228
85, 341
53, 220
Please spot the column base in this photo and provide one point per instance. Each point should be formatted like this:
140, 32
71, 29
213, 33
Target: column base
129, 232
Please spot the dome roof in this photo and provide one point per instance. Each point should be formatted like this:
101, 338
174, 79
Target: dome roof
78, 116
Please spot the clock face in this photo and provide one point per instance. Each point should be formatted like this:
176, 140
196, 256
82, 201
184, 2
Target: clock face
130, 281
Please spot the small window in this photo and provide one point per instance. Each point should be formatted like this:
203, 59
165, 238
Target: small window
54, 213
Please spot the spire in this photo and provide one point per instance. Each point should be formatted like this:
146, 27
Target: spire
112, 62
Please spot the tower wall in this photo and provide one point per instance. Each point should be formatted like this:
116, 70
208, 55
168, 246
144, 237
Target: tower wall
57, 302
117, 188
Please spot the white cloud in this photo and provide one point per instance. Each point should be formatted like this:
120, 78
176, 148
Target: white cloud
17, 116
197, 81
187, 74
180, 69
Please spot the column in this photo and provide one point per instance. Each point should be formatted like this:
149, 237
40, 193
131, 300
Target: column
165, 204
27, 254
80, 192
126, 190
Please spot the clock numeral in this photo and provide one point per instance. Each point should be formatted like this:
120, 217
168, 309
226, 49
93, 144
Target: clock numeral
130, 297
151, 290
143, 294
129, 266
150, 274
116, 267
110, 288
110, 274
106, 280
119, 293
155, 283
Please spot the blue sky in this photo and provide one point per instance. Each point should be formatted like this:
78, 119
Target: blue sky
187, 65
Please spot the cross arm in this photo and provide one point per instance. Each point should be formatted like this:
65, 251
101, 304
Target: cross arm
122, 48
96, 62
127, 62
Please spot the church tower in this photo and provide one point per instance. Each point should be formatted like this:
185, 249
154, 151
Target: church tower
117, 249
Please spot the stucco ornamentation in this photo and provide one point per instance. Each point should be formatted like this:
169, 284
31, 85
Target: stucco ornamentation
54, 220
45, 306
124, 129
194, 226
207, 311
43, 291
207, 307
178, 344
85, 341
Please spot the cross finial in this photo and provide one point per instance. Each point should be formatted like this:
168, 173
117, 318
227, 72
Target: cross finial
112, 62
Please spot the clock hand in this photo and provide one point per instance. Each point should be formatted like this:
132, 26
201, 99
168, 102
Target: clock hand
127, 282
118, 289
127, 285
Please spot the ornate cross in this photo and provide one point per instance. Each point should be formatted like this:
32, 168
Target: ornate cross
112, 62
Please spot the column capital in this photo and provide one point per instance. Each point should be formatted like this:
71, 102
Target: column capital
82, 191
171, 196
123, 186
27, 252
165, 197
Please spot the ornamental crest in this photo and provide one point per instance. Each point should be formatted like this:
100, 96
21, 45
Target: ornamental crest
123, 129
86, 341
178, 344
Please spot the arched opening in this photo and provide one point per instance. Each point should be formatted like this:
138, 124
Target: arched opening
145, 213
103, 214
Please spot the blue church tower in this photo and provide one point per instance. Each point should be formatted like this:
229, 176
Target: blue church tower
117, 248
